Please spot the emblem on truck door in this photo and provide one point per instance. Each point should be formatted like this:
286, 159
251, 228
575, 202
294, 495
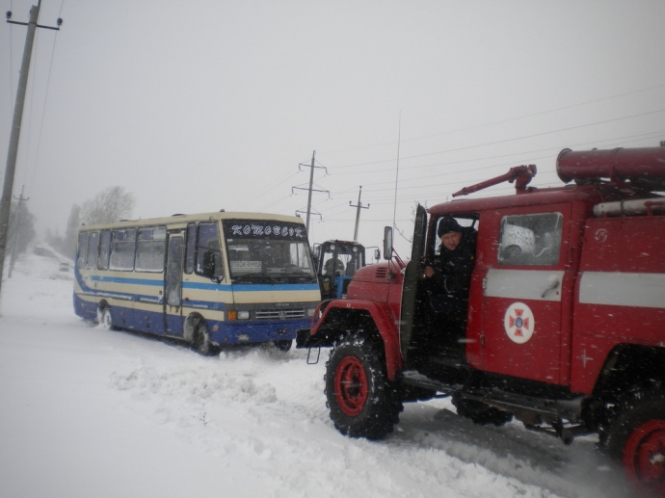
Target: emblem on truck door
519, 323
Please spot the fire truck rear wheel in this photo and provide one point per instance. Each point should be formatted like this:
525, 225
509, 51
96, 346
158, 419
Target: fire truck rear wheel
361, 400
636, 439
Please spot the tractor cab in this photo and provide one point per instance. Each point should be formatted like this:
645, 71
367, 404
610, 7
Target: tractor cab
336, 262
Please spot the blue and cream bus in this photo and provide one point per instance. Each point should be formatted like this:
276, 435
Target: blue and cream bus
210, 279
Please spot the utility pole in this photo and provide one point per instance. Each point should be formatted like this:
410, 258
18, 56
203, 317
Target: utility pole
5, 203
17, 227
310, 189
359, 206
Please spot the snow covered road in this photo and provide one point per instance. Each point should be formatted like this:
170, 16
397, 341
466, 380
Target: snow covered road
86, 412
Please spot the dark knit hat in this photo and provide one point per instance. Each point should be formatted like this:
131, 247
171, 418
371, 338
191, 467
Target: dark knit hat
448, 224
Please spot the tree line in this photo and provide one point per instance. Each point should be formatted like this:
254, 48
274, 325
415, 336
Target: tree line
110, 205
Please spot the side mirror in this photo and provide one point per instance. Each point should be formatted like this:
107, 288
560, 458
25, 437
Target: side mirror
387, 242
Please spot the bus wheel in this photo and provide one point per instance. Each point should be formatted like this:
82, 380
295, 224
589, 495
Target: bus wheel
105, 318
282, 345
637, 440
202, 343
362, 402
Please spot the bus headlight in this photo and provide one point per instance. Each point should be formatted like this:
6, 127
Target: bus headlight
243, 315
310, 312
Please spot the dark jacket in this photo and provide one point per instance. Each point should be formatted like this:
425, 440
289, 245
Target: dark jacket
452, 279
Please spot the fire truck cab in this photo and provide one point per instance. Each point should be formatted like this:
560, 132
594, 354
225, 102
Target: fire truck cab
565, 327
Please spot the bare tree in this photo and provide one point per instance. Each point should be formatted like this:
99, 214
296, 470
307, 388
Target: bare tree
71, 232
21, 228
112, 204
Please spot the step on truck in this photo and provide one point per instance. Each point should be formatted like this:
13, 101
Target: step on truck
564, 328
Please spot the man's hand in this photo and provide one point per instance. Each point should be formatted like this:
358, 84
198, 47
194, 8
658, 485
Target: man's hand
429, 271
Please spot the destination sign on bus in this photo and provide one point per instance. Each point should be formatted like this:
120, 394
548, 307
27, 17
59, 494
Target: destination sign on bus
263, 229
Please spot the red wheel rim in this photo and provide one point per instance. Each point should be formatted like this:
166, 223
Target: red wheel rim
644, 455
351, 386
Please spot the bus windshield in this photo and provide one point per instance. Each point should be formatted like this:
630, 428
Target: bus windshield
268, 252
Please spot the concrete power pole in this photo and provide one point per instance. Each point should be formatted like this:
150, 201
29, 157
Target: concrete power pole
359, 206
5, 203
309, 194
17, 225
310, 189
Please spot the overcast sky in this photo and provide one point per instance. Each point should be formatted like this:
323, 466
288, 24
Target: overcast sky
206, 105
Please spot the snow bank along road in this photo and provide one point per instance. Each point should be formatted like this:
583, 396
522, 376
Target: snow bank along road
85, 412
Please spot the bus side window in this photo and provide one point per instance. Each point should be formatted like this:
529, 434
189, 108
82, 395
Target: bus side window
104, 250
150, 249
123, 249
83, 249
190, 253
93, 246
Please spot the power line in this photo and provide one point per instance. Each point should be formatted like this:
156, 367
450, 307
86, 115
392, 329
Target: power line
340, 208
507, 120
46, 94
628, 139
264, 192
514, 139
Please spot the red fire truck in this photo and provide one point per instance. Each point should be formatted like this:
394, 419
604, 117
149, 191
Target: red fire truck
565, 324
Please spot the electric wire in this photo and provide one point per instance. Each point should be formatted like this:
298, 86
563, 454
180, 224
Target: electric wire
624, 140
507, 120
507, 140
369, 187
264, 192
43, 114
340, 208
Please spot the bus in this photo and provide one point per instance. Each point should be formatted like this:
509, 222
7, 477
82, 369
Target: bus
211, 279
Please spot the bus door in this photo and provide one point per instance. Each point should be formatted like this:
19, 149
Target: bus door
173, 285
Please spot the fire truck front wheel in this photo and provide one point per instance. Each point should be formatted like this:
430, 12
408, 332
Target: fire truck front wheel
636, 439
361, 400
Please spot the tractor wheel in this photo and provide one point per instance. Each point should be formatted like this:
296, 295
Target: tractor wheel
361, 400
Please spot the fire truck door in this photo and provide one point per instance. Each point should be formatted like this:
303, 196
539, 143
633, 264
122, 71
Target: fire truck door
414, 270
522, 294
